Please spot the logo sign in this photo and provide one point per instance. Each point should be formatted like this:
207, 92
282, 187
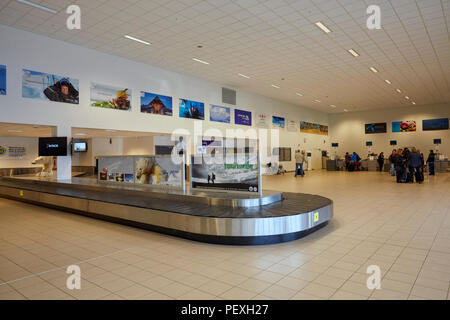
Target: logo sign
374, 280
21, 193
316, 217
374, 20
73, 22
74, 280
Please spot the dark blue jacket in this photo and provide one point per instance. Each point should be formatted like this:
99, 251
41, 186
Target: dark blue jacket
414, 159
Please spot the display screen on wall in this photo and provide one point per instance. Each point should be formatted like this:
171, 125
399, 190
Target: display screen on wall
369, 143
437, 141
192, 109
159, 171
108, 97
261, 121
219, 114
314, 128
49, 87
435, 124
53, 147
156, 104
393, 142
335, 145
230, 175
242, 117
376, 128
278, 122
2, 80
404, 126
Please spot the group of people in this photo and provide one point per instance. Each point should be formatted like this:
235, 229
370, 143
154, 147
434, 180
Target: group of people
409, 164
352, 162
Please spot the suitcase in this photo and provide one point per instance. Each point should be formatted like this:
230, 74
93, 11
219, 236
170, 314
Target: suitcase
351, 167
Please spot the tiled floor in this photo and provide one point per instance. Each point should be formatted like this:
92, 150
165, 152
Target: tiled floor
404, 229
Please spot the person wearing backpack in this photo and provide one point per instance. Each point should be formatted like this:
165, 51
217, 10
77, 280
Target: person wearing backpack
414, 166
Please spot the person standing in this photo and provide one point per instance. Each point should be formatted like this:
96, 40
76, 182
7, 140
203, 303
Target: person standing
347, 160
391, 162
430, 162
299, 160
381, 161
414, 166
399, 169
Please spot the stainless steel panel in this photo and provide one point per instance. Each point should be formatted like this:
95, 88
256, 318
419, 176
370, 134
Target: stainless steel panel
63, 201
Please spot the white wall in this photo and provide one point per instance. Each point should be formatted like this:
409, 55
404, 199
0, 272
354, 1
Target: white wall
20, 49
348, 129
31, 152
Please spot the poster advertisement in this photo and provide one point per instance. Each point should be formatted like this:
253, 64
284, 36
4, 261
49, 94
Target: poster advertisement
404, 126
116, 169
230, 175
156, 104
435, 124
313, 128
160, 171
2, 80
261, 121
192, 109
242, 117
110, 97
371, 128
278, 122
292, 125
219, 114
49, 87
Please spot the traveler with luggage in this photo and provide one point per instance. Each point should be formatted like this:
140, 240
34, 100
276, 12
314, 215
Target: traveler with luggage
414, 164
430, 162
347, 160
300, 158
356, 160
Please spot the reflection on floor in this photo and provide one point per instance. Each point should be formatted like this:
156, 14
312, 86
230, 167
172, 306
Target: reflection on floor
402, 228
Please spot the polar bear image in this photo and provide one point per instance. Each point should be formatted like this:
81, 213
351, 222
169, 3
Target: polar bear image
47, 166
148, 171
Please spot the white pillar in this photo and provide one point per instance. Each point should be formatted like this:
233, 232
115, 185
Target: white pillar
64, 164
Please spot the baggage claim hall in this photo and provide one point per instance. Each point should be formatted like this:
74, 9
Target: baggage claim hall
224, 150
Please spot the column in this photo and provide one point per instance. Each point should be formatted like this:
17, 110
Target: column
64, 164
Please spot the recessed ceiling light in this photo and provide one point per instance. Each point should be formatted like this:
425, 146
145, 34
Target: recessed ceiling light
243, 76
110, 130
80, 134
201, 61
29, 3
387, 81
413, 102
138, 40
317, 101
373, 70
353, 53
15, 131
345, 110
406, 97
332, 105
323, 27
299, 94
276, 87
398, 90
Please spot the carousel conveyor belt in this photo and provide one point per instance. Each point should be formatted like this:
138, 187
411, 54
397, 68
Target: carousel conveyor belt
208, 216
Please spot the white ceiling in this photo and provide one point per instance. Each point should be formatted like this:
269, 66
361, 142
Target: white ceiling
269, 40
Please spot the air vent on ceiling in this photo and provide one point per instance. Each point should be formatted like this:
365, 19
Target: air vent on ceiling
228, 96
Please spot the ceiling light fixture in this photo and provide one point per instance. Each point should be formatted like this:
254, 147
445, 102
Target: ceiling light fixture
276, 87
413, 102
345, 110
398, 90
387, 81
406, 97
110, 130
373, 70
80, 134
323, 27
38, 6
15, 131
317, 101
299, 94
243, 76
332, 105
137, 40
353, 53
201, 61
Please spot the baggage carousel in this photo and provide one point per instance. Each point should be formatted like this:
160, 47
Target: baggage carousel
208, 216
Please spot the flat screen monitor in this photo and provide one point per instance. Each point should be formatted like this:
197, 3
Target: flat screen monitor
335, 145
437, 141
80, 146
369, 144
53, 147
435, 124
393, 142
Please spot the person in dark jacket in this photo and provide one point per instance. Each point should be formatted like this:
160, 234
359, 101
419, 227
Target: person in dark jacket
430, 162
391, 161
399, 167
414, 163
381, 161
